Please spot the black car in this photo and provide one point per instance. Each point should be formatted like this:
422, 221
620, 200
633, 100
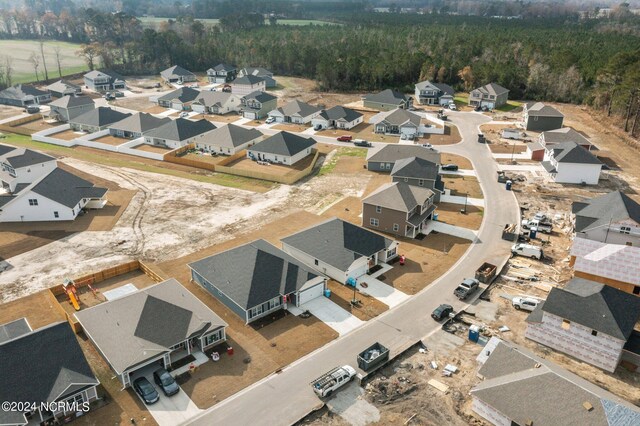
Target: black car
145, 389
360, 142
441, 312
166, 382
450, 167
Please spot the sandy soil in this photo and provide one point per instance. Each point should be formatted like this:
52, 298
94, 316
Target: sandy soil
460, 185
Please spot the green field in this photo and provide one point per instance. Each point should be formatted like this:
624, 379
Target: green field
154, 22
23, 72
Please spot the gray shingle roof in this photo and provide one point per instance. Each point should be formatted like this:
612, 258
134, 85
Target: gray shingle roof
183, 94
340, 112
208, 98
70, 101
5, 149
565, 134
283, 143
539, 109
492, 89
138, 326
390, 153
338, 243
66, 188
175, 71
23, 157
444, 89
140, 123
298, 107
399, 196
20, 91
181, 129
260, 96
254, 273
387, 96
416, 168
571, 152
596, 306
609, 208
230, 136
396, 117
257, 71
224, 67
248, 80
14, 329
61, 86
526, 388
41, 366
113, 76
100, 117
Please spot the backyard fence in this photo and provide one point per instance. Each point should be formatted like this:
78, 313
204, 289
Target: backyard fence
176, 156
11, 126
288, 179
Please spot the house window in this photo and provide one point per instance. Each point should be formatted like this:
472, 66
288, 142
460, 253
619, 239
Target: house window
420, 182
594, 332
378, 209
315, 262
373, 221
56, 215
636, 290
33, 202
566, 324
388, 166
625, 229
396, 227
213, 337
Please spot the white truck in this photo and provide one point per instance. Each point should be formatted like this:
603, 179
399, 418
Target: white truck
527, 250
545, 227
324, 385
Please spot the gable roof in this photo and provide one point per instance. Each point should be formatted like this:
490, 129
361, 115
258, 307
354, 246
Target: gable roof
175, 71
571, 152
100, 117
140, 122
66, 188
55, 363
61, 86
390, 153
24, 157
596, 306
14, 329
21, 91
230, 136
387, 96
396, 117
248, 79
209, 98
142, 325
539, 109
183, 94
283, 143
254, 273
414, 167
260, 96
443, 89
338, 243
181, 129
340, 113
599, 211
526, 388
399, 196
257, 71
492, 89
5, 149
564, 134
70, 101
223, 67
113, 76
298, 107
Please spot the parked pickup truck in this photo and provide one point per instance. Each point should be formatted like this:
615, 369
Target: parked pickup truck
466, 287
545, 227
361, 142
373, 357
326, 384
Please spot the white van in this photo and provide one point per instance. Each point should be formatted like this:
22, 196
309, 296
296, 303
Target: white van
527, 250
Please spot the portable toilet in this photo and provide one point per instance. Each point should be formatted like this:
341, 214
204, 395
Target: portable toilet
435, 217
351, 281
508, 185
327, 293
533, 232
474, 333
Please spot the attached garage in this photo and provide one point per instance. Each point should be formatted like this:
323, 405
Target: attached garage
311, 292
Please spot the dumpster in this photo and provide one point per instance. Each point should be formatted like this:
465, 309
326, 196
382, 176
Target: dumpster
373, 357
486, 273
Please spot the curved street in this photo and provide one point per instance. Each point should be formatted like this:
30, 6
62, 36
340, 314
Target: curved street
286, 397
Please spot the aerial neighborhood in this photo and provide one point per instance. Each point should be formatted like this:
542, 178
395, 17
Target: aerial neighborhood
223, 237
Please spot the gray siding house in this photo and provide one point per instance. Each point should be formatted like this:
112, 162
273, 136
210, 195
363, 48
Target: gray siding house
397, 122
257, 279
565, 134
208, 102
178, 133
69, 107
228, 140
177, 74
257, 105
23, 95
419, 172
259, 72
295, 112
63, 88
387, 100
282, 148
490, 95
539, 117
428, 93
222, 73
103, 81
384, 158
97, 119
136, 125
179, 99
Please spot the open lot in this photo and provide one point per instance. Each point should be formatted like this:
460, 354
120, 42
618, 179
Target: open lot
460, 161
20, 50
248, 164
137, 103
226, 118
292, 127
451, 136
450, 213
461, 185
35, 126
7, 111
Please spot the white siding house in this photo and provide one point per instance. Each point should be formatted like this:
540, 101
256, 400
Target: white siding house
569, 162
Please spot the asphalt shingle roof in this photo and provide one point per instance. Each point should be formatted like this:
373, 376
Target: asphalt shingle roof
390, 153
415, 168
539, 109
183, 94
224, 67
283, 143
565, 134
338, 243
219, 98
571, 152
66, 188
399, 196
62, 85
387, 96
5, 149
339, 112
230, 136
23, 157
444, 89
248, 80
20, 91
175, 71
254, 273
181, 129
70, 101
100, 117
260, 96
609, 208
298, 107
113, 76
140, 123
492, 89
396, 117
257, 71
14, 329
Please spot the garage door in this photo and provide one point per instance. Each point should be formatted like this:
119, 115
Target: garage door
310, 293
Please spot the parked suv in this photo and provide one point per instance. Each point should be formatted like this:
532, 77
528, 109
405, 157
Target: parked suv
450, 167
145, 389
270, 120
441, 312
166, 382
345, 138
525, 303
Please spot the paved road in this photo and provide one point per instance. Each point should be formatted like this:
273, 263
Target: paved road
284, 398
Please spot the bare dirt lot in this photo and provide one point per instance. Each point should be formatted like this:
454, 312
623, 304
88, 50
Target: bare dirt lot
451, 136
152, 148
458, 160
111, 140
67, 135
226, 118
450, 213
245, 163
136, 103
7, 111
461, 185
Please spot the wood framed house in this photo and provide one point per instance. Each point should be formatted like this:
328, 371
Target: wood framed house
178, 133
177, 74
387, 100
64, 88
136, 125
69, 107
220, 103
282, 148
103, 81
23, 95
97, 119
419, 172
248, 84
383, 159
257, 105
179, 99
428, 93
568, 162
263, 73
222, 73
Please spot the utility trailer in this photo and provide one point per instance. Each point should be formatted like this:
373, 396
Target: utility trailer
373, 357
324, 385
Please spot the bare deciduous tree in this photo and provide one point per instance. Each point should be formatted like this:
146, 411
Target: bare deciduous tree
44, 60
58, 55
35, 61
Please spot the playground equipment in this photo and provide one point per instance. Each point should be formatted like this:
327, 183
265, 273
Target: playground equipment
72, 293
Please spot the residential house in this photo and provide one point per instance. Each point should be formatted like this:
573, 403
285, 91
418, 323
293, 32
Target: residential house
209, 102
397, 122
21, 166
383, 159
387, 100
63, 88
248, 84
265, 74
399, 208
228, 140
568, 162
69, 107
56, 196
136, 125
14, 329
282, 148
539, 117
177, 74
178, 133
103, 81
45, 366
296, 111
23, 95
179, 99
521, 388
565, 134
589, 321
97, 119
222, 73
256, 279
490, 95
339, 249
157, 325
337, 117
428, 93
257, 105
612, 218
419, 172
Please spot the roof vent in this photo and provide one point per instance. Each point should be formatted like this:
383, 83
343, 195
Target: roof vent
538, 365
587, 406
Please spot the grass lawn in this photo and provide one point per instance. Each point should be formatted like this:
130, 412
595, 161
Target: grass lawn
461, 98
342, 152
140, 164
510, 106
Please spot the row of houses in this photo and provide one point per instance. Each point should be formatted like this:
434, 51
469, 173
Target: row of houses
260, 78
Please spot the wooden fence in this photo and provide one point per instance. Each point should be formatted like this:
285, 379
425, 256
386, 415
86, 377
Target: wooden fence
288, 179
176, 157
10, 126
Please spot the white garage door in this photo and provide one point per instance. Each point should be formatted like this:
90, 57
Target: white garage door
310, 293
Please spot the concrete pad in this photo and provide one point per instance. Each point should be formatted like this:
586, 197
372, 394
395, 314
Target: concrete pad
442, 344
459, 172
350, 404
484, 311
381, 291
456, 199
242, 121
333, 315
456, 231
522, 167
521, 156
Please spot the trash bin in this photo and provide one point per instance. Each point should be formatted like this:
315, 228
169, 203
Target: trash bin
474, 333
229, 350
327, 293
508, 185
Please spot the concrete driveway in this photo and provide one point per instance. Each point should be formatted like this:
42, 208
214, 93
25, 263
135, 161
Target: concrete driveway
333, 315
382, 291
